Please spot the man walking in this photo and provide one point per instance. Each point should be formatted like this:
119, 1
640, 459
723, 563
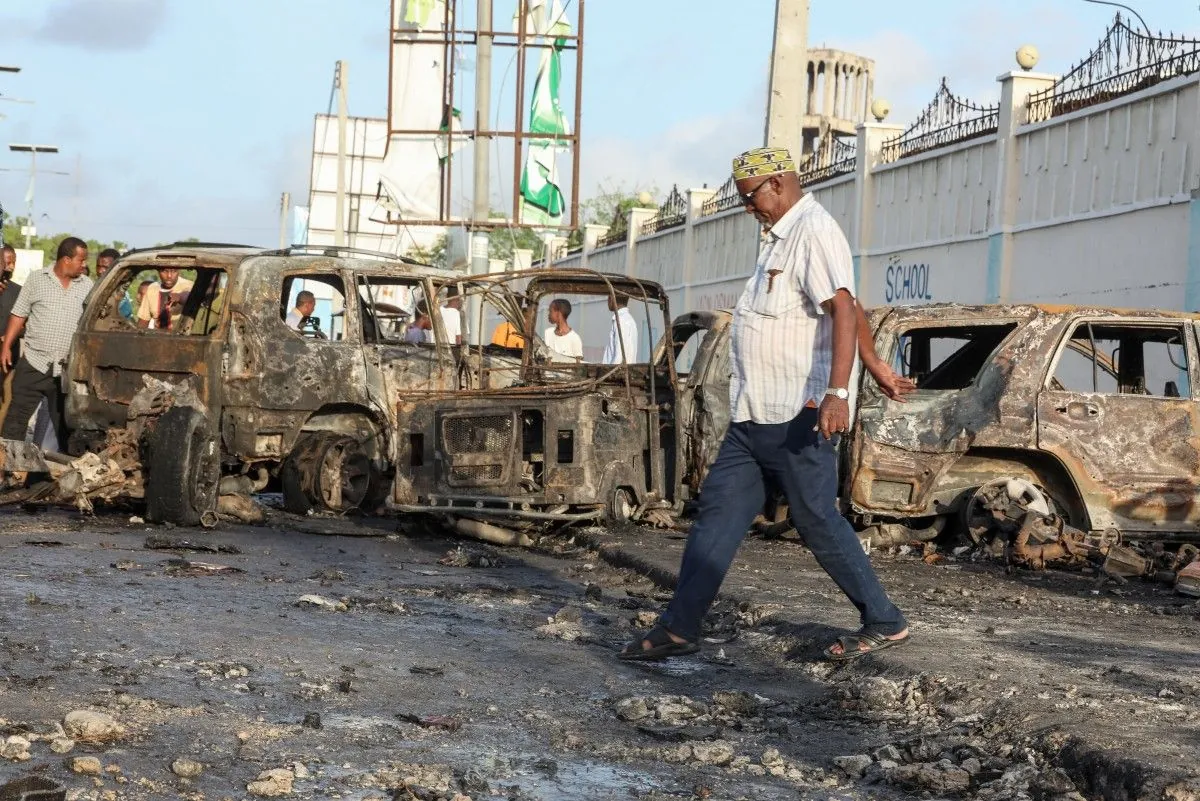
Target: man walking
791, 395
9, 290
623, 336
47, 311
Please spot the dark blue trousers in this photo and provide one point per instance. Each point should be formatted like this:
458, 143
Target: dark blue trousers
804, 464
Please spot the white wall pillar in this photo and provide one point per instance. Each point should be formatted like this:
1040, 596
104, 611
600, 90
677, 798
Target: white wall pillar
522, 258
637, 217
591, 235
871, 136
1015, 88
696, 198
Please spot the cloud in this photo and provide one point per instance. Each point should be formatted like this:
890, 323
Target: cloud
102, 25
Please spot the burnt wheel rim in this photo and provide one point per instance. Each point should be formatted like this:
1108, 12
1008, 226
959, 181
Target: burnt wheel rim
344, 478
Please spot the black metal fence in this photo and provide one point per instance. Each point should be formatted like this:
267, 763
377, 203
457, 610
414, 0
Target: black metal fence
672, 213
834, 157
618, 230
1125, 61
725, 199
945, 121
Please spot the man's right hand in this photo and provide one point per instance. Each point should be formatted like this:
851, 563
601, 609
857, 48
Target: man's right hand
6, 358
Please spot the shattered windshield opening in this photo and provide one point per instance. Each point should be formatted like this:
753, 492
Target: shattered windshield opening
556, 329
948, 357
166, 300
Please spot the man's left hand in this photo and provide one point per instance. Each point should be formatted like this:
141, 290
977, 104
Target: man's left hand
833, 416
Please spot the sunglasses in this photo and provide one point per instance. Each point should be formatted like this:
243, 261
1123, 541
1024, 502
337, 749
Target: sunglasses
748, 197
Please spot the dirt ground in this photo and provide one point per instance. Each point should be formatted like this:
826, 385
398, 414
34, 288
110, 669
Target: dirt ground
338, 659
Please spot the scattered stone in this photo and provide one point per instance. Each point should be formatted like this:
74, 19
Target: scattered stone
972, 766
126, 564
771, 758
889, 752
61, 745
737, 702
567, 632
272, 783
299, 770
717, 753
15, 748
443, 722
644, 619
853, 766
568, 614
937, 777
1051, 784
1183, 791
93, 727
593, 593
632, 709
321, 602
159, 542
427, 670
312, 720
328, 575
86, 765
186, 768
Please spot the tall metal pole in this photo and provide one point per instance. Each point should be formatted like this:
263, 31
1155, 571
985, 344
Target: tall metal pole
32, 186
481, 195
339, 233
285, 205
789, 72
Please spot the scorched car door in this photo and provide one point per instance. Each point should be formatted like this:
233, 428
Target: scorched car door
1117, 409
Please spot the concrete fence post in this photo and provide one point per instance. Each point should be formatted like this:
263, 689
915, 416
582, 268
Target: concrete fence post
522, 258
1015, 89
871, 136
591, 235
696, 198
637, 217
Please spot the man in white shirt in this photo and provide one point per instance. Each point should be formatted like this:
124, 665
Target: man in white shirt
794, 340
306, 304
452, 316
564, 344
624, 333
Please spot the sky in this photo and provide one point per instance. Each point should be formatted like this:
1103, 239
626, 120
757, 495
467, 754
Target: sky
179, 119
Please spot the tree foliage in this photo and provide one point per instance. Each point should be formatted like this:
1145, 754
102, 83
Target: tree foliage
49, 244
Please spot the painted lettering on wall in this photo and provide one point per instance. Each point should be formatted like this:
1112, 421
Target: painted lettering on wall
712, 301
906, 282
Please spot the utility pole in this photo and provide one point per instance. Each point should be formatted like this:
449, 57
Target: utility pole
339, 82
483, 104
285, 205
789, 77
31, 224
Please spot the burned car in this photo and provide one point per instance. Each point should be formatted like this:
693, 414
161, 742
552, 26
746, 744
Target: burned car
1083, 416
554, 437
219, 395
1084, 413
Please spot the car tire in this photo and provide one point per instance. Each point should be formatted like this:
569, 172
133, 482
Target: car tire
183, 468
621, 506
326, 472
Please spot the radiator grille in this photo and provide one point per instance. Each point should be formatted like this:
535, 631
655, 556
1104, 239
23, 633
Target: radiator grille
491, 434
476, 474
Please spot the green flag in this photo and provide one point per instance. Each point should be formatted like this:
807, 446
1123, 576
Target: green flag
541, 198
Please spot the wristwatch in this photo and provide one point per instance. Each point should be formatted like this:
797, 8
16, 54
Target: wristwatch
838, 392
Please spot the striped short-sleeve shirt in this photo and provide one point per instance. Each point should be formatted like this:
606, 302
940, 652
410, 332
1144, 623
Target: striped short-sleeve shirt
782, 340
51, 313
